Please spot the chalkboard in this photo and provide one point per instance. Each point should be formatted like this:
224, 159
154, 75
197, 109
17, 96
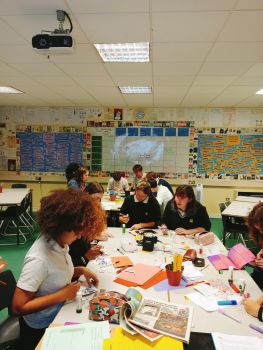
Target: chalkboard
49, 152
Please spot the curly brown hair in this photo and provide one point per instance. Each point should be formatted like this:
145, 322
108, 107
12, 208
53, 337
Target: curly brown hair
70, 210
255, 224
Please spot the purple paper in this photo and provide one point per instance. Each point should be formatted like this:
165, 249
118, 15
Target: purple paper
163, 285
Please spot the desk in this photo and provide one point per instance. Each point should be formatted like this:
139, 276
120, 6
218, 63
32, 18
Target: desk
13, 196
239, 209
203, 321
248, 199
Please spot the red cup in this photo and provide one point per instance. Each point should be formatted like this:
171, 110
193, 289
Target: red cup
1, 188
112, 197
174, 277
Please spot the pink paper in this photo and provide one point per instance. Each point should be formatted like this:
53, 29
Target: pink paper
139, 273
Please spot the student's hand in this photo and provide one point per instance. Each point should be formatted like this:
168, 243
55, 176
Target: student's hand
91, 277
103, 236
93, 252
259, 259
163, 229
181, 231
71, 290
124, 219
136, 227
251, 307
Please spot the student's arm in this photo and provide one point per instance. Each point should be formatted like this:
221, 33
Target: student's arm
143, 225
126, 186
25, 302
193, 231
124, 211
252, 307
204, 221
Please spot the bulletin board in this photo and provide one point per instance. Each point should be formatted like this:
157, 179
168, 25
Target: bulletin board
236, 155
48, 152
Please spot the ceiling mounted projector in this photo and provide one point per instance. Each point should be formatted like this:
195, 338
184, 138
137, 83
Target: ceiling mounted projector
57, 41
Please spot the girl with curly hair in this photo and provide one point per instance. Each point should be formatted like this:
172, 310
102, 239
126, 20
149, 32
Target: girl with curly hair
45, 281
255, 228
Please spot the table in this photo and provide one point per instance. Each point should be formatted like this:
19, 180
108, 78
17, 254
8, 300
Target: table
14, 197
203, 321
249, 199
239, 209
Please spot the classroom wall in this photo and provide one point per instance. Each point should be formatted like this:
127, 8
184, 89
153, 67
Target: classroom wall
227, 120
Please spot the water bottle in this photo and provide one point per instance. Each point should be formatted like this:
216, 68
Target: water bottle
79, 302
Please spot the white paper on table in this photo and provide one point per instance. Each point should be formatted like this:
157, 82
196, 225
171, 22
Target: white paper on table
190, 273
225, 342
205, 289
76, 337
206, 303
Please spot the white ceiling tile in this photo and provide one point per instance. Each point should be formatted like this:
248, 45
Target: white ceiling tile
127, 69
249, 5
180, 52
169, 96
55, 81
8, 71
94, 81
38, 69
132, 80
105, 93
232, 52
115, 28
234, 94
20, 54
213, 80
31, 7
174, 80
9, 36
191, 26
137, 100
255, 71
191, 5
176, 68
253, 101
249, 80
102, 6
243, 26
82, 69
201, 95
224, 68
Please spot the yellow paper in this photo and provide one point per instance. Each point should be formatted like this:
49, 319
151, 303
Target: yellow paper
138, 342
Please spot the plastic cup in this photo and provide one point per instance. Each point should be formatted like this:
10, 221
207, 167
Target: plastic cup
174, 277
1, 188
113, 197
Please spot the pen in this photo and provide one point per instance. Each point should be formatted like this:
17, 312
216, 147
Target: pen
256, 328
120, 251
195, 283
224, 313
227, 302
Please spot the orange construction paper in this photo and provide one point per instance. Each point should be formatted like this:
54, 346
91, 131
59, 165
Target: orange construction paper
120, 261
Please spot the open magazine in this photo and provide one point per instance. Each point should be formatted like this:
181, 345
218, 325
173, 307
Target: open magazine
154, 318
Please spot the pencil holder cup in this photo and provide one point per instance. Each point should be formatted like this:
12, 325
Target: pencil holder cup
174, 277
113, 197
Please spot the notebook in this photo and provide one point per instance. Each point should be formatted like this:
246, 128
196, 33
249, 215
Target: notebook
238, 256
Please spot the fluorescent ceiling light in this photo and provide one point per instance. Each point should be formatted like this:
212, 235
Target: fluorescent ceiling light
135, 89
9, 90
259, 92
126, 52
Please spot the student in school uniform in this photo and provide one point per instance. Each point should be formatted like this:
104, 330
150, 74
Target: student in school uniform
140, 210
80, 179
161, 193
45, 281
118, 183
81, 250
152, 174
185, 214
70, 170
255, 227
138, 175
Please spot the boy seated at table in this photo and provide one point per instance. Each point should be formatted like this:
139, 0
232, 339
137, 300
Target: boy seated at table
140, 210
138, 175
153, 175
185, 214
161, 193
118, 183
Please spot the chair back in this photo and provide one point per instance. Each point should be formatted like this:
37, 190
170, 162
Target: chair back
7, 289
18, 186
